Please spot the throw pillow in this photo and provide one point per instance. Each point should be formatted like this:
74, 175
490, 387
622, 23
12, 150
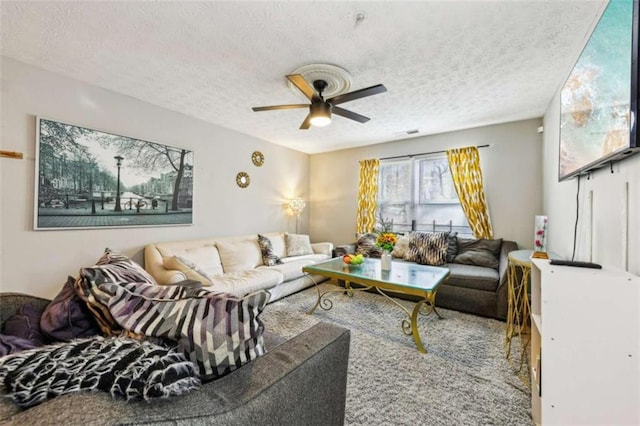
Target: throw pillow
452, 246
481, 252
67, 317
26, 324
132, 369
111, 268
269, 257
400, 249
366, 245
217, 331
239, 255
297, 245
188, 268
428, 248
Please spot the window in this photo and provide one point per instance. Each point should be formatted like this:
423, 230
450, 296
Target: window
418, 194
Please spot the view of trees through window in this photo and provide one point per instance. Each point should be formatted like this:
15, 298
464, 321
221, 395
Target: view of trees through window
418, 194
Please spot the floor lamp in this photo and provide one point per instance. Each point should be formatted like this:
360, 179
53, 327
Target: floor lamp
296, 206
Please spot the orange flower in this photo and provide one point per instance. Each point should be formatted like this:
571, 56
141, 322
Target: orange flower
386, 241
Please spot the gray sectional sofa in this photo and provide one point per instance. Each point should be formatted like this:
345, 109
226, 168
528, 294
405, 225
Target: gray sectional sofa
473, 289
298, 381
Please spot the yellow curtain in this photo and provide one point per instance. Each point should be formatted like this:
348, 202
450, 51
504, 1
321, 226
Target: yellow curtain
367, 196
464, 164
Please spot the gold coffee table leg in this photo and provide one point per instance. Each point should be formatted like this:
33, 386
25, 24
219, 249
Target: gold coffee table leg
414, 326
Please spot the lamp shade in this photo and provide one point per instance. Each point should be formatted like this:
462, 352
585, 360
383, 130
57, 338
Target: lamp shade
296, 205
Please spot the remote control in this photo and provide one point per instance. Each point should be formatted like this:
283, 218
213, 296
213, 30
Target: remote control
577, 263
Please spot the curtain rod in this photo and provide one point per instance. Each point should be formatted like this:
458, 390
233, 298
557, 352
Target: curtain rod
424, 153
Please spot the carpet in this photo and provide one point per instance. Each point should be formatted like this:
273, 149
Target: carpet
464, 379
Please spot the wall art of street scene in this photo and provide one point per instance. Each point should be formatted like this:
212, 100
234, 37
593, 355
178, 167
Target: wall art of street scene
91, 179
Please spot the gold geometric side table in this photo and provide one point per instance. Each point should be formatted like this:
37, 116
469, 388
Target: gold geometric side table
518, 275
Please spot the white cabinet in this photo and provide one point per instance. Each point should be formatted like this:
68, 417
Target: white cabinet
585, 345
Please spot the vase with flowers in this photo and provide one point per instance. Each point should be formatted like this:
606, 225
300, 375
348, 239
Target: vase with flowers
386, 241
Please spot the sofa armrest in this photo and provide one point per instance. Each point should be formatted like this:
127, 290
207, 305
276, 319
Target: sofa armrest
344, 249
322, 248
503, 288
301, 381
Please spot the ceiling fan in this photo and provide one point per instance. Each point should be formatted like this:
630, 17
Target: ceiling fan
320, 109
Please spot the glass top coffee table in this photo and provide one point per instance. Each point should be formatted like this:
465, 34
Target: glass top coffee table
404, 277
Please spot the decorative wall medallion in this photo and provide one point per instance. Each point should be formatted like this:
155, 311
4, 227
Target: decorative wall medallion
242, 179
258, 158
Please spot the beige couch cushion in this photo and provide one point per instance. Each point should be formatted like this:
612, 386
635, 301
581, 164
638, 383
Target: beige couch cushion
246, 281
313, 258
290, 270
239, 255
205, 256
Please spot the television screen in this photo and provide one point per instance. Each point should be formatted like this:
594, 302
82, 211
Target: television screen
598, 101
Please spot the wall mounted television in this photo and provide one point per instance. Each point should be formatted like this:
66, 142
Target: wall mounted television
599, 100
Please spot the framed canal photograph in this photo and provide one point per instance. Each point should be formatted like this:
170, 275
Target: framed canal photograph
87, 178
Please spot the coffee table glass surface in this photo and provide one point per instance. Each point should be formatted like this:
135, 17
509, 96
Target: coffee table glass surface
405, 275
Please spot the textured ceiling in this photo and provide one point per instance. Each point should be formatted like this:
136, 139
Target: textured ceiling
447, 65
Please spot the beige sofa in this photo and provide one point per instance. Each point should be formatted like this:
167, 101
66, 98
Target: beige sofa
235, 265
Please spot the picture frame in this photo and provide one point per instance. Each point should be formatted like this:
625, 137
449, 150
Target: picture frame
87, 179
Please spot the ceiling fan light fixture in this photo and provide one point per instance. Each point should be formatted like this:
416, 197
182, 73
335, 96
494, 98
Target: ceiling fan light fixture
320, 114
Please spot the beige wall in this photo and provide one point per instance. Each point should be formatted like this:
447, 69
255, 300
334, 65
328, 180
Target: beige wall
608, 227
38, 262
511, 168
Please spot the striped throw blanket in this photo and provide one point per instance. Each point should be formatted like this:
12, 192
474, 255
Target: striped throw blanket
218, 332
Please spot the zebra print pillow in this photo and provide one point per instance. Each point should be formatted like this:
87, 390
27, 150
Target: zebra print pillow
269, 257
217, 331
113, 268
133, 369
428, 248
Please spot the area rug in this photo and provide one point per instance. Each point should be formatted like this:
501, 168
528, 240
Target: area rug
464, 379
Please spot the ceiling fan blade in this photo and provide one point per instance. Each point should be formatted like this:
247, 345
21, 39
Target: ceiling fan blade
350, 114
306, 123
357, 94
274, 107
302, 85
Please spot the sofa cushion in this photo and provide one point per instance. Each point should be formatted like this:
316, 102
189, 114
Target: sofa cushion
269, 257
239, 255
190, 269
204, 255
474, 277
481, 252
218, 332
67, 316
315, 258
400, 249
127, 368
247, 281
297, 244
291, 270
428, 248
